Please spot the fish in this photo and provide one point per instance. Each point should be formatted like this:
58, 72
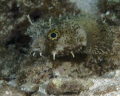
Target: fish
81, 33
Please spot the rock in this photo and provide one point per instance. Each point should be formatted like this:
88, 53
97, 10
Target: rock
107, 85
6, 90
29, 87
67, 85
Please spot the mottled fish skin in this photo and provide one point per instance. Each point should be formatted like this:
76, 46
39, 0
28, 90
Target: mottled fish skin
74, 32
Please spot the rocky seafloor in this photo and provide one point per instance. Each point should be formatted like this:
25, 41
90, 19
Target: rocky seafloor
23, 73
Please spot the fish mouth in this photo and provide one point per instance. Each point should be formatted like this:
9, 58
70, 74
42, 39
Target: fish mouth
68, 51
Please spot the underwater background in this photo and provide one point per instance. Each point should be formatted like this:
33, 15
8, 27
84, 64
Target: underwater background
59, 47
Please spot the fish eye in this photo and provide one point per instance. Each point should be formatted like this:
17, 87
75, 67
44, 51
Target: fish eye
53, 35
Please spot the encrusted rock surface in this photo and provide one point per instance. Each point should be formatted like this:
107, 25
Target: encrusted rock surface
21, 69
